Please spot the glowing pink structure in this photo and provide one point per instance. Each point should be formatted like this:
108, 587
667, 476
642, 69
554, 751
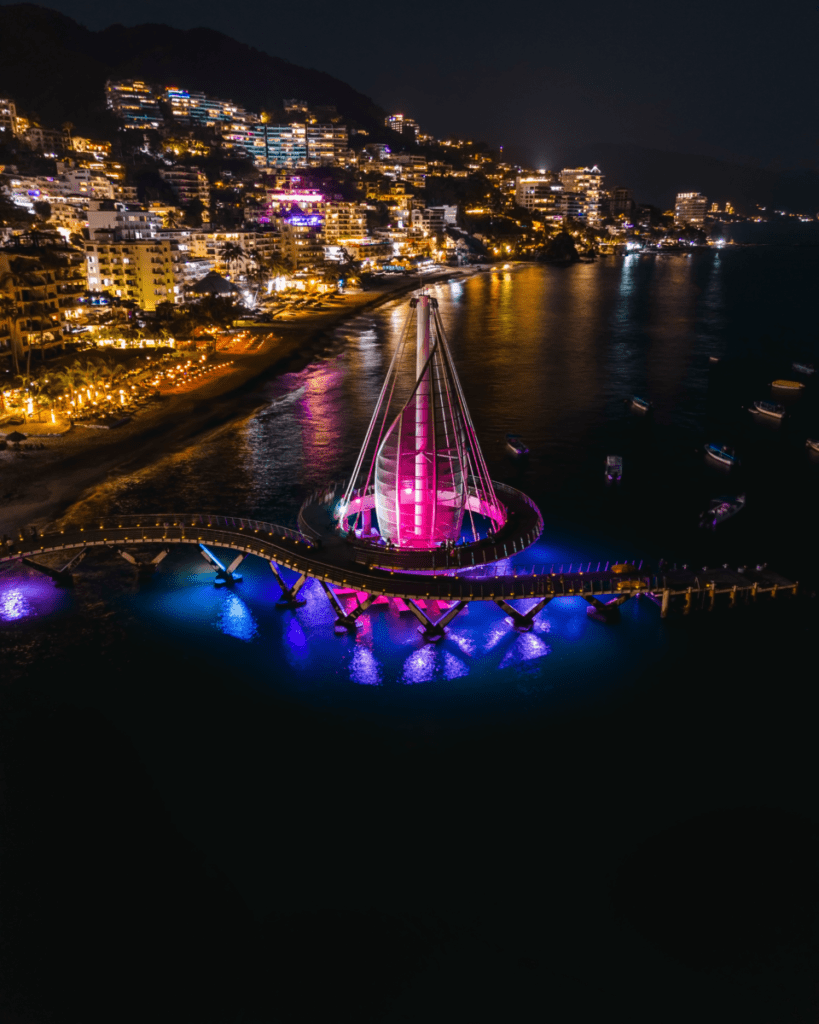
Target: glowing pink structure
425, 469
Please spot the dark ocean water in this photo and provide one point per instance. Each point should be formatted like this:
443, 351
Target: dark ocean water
541, 820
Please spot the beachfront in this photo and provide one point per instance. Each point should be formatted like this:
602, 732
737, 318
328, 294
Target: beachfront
34, 487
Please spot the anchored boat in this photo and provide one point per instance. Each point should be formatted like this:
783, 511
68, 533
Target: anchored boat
614, 468
721, 509
813, 445
806, 368
722, 454
516, 445
641, 404
787, 385
773, 409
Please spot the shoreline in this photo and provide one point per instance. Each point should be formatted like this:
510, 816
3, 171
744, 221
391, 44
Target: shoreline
35, 494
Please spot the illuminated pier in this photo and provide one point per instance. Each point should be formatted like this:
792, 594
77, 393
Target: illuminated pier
604, 586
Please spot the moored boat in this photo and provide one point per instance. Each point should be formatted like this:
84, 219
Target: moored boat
812, 444
516, 445
614, 468
641, 404
806, 368
723, 455
773, 409
787, 385
721, 509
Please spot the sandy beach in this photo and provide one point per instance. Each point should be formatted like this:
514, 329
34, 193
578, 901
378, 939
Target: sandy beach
35, 488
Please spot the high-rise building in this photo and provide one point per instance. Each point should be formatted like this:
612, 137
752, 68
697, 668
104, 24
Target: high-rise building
535, 192
587, 182
403, 125
690, 208
621, 202
199, 110
134, 102
146, 272
326, 144
286, 145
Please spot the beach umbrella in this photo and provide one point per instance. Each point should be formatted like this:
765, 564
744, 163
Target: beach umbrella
16, 437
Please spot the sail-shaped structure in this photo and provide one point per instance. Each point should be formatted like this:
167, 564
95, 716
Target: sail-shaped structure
421, 469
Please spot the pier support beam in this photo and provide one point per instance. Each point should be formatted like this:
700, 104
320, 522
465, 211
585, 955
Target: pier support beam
523, 621
144, 568
345, 620
225, 575
606, 611
434, 631
61, 576
289, 593
665, 603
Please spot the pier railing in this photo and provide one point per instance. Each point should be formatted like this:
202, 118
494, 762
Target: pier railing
212, 522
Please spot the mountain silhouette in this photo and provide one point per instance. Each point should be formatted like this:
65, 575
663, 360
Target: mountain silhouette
55, 69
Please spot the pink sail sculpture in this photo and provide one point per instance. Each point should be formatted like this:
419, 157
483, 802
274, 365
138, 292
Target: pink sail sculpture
425, 469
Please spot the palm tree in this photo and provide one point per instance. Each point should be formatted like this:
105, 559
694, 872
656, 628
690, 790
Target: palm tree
10, 312
42, 314
173, 218
231, 253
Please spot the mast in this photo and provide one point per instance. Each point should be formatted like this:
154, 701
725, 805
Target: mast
423, 417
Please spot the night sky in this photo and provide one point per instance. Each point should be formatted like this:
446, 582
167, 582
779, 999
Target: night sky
726, 80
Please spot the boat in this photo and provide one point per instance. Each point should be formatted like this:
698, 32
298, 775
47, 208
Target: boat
787, 385
769, 409
813, 445
721, 509
614, 468
516, 445
722, 454
641, 404
806, 368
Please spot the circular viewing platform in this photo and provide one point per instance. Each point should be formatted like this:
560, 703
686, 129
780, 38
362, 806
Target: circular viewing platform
523, 525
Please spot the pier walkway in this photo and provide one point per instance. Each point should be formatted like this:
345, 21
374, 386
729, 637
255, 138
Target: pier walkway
335, 564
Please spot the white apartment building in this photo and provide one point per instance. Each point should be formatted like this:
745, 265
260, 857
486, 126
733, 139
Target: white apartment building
433, 220
343, 221
118, 221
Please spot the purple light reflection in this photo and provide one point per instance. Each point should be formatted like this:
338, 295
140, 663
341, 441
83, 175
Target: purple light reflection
430, 663
364, 669
13, 605
26, 594
527, 647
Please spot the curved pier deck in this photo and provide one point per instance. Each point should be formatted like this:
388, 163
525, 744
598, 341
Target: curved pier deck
335, 563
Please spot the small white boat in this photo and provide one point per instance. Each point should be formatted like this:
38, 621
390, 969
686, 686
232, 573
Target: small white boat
721, 454
721, 509
773, 409
806, 368
813, 445
641, 404
516, 445
614, 468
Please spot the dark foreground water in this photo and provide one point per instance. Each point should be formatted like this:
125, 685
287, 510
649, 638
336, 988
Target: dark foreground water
223, 808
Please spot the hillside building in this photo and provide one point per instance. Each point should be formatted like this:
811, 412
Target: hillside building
134, 102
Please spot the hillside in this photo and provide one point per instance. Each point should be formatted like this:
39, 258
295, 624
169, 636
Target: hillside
56, 69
